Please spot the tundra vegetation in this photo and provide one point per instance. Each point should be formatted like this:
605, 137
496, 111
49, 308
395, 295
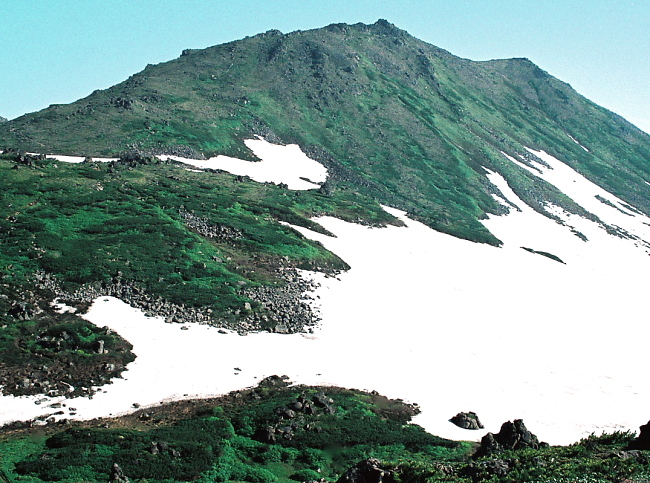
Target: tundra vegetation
280, 433
69, 228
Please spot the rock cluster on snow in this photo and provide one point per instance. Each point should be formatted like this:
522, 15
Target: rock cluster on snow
512, 436
467, 421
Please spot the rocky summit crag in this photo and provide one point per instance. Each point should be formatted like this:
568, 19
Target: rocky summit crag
389, 115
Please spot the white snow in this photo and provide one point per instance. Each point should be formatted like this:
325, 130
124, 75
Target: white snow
74, 159
584, 193
449, 324
279, 164
576, 141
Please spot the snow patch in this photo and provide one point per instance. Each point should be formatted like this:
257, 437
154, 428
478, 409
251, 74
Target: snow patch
279, 164
447, 323
576, 141
613, 211
74, 159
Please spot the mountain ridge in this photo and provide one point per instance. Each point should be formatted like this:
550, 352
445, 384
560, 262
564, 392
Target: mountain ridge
393, 117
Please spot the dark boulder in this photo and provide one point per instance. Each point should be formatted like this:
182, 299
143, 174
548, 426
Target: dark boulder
275, 381
368, 471
512, 436
467, 421
642, 441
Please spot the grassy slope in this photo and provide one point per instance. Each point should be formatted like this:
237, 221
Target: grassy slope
220, 440
91, 224
392, 117
224, 440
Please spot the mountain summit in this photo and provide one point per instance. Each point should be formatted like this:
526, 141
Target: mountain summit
391, 117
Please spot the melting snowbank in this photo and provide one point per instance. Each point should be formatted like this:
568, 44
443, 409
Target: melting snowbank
74, 159
279, 164
446, 323
449, 324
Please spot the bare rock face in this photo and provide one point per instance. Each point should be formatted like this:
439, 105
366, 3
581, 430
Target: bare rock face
368, 471
512, 436
467, 421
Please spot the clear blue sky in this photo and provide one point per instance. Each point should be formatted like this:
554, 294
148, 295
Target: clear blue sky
57, 51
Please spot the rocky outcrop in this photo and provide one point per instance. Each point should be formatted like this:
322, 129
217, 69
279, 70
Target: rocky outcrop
130, 293
282, 308
467, 421
368, 471
512, 436
642, 441
300, 414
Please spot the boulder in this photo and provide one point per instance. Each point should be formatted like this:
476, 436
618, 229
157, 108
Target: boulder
368, 471
467, 421
642, 441
512, 436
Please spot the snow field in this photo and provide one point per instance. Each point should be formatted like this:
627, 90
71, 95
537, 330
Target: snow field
446, 323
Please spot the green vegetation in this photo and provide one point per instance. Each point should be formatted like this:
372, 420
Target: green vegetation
264, 435
141, 225
392, 117
220, 440
93, 223
544, 254
596, 459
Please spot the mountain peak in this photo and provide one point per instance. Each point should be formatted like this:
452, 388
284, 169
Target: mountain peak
389, 115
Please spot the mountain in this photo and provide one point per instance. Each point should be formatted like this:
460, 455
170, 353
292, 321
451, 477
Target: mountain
391, 116
3, 119
135, 270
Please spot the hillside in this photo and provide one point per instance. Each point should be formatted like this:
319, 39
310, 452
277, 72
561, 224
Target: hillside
390, 116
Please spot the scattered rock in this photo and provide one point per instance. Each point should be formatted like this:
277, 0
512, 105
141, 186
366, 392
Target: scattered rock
368, 471
467, 421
